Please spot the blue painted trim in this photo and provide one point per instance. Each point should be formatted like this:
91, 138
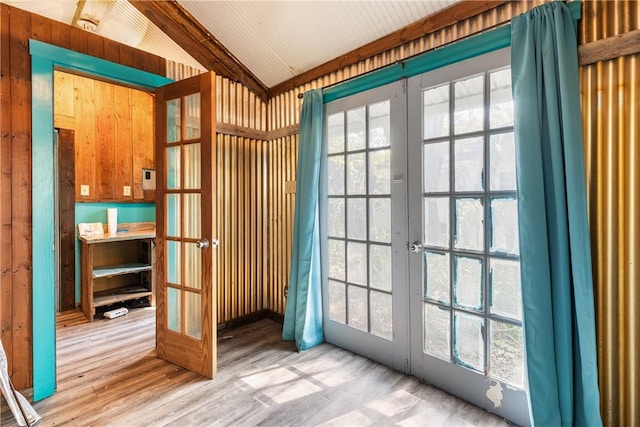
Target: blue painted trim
431, 60
44, 58
44, 342
65, 58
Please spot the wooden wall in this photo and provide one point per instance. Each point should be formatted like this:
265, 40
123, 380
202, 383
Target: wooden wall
114, 136
16, 28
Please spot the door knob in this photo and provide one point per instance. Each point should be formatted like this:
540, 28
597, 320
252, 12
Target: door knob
202, 244
416, 247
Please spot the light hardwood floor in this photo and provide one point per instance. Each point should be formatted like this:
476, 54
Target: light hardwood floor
108, 375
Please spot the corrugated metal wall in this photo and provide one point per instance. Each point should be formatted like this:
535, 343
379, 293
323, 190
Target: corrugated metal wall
611, 114
242, 198
283, 155
242, 226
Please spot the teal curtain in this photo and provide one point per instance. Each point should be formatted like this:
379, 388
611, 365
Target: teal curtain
557, 285
303, 314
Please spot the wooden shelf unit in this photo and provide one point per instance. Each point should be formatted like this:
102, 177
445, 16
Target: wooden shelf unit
117, 268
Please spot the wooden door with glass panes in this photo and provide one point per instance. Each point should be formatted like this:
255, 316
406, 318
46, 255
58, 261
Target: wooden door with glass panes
185, 224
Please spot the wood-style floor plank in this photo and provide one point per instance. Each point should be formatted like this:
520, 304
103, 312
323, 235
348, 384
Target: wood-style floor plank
108, 375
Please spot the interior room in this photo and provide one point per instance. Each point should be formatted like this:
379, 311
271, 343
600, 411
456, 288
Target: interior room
319, 213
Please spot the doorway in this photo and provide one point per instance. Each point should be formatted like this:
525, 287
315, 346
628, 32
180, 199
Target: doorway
44, 59
421, 231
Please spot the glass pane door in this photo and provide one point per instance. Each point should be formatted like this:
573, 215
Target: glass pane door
183, 219
467, 323
362, 203
186, 217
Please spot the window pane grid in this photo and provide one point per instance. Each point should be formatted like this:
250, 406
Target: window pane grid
484, 186
358, 188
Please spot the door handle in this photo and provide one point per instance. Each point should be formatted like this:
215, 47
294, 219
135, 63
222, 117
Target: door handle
202, 244
416, 247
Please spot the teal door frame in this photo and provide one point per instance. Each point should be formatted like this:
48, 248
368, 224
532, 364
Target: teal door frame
44, 59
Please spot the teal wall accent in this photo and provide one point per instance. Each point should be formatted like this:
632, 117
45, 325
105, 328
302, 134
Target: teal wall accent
44, 57
97, 67
44, 327
97, 212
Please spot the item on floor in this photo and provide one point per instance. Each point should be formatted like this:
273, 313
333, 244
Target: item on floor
20, 407
112, 314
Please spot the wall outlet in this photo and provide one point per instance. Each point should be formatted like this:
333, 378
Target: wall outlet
84, 190
126, 190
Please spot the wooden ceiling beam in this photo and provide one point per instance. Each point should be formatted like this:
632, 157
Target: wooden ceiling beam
449, 16
193, 37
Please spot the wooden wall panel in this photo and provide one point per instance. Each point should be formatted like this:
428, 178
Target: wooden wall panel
114, 132
66, 217
20, 206
16, 28
142, 113
85, 130
124, 141
105, 141
6, 279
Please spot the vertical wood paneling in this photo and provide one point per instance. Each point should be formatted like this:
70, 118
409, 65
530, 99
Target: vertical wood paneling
16, 28
20, 72
113, 124
85, 131
105, 142
142, 108
124, 141
6, 279
611, 112
66, 218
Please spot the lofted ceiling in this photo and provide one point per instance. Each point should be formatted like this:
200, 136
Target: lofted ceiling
263, 44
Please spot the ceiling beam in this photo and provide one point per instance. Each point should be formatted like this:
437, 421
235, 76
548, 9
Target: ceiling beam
193, 37
449, 16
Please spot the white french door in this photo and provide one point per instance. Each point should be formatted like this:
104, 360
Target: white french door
466, 317
364, 309
449, 251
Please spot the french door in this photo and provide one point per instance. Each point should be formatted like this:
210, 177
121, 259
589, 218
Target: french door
364, 310
186, 209
453, 242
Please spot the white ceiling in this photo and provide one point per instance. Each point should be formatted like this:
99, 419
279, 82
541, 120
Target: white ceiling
278, 40
275, 39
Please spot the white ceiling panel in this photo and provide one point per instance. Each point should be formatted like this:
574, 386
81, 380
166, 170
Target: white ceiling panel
275, 39
278, 40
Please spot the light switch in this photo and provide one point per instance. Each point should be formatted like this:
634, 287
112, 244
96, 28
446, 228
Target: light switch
84, 190
126, 190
